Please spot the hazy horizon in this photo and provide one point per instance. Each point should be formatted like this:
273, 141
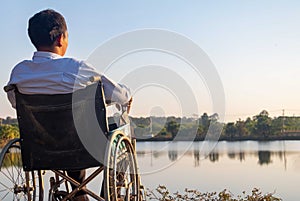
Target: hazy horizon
254, 46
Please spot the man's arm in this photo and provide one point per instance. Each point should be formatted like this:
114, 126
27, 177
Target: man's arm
114, 92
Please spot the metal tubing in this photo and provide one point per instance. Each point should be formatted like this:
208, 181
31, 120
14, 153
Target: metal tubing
80, 186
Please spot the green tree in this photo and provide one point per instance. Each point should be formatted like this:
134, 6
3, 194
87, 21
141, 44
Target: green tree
277, 125
200, 131
8, 132
173, 127
163, 132
241, 128
205, 122
230, 129
250, 126
263, 123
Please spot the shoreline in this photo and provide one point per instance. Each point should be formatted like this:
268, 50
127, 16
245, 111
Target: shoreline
229, 139
201, 139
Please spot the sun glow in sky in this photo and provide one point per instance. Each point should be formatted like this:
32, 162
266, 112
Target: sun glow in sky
254, 45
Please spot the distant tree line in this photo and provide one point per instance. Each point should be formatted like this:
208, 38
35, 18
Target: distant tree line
260, 126
8, 120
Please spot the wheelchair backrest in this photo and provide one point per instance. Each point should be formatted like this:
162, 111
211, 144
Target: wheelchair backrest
53, 128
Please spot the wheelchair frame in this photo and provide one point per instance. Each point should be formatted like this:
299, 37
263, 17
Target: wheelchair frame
121, 179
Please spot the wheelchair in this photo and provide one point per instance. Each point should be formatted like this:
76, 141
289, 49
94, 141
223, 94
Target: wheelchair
65, 132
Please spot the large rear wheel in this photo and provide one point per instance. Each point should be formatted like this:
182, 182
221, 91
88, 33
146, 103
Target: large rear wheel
121, 174
16, 184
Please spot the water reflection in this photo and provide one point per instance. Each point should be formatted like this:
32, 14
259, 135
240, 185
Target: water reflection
264, 157
264, 152
238, 156
196, 157
213, 156
173, 155
173, 152
238, 166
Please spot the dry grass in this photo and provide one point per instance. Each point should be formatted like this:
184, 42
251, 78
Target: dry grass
161, 193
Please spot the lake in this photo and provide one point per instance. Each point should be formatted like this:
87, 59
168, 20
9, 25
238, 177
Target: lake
236, 166
208, 167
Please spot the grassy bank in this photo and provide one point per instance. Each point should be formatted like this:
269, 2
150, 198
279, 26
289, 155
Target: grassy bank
161, 193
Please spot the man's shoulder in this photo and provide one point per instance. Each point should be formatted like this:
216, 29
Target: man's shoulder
57, 64
69, 60
20, 65
76, 62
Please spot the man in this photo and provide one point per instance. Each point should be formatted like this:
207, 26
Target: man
49, 73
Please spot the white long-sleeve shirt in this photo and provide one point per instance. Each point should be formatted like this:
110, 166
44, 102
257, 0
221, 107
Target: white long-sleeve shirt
49, 73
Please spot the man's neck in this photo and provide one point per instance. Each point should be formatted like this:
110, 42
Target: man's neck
55, 50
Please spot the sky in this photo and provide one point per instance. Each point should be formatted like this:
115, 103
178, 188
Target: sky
254, 46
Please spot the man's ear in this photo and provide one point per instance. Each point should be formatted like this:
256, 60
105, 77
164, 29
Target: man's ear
59, 40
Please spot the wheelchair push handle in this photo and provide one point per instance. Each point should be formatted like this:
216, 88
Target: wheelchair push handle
9, 87
95, 78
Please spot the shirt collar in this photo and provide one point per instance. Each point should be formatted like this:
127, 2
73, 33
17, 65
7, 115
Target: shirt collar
40, 56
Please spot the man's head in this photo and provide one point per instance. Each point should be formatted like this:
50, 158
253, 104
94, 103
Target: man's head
47, 31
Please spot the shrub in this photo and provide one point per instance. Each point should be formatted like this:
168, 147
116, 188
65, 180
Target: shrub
161, 193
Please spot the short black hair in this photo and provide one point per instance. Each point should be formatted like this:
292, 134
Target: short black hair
45, 27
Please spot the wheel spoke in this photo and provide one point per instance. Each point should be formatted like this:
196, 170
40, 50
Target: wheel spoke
18, 169
12, 178
9, 178
5, 187
5, 196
